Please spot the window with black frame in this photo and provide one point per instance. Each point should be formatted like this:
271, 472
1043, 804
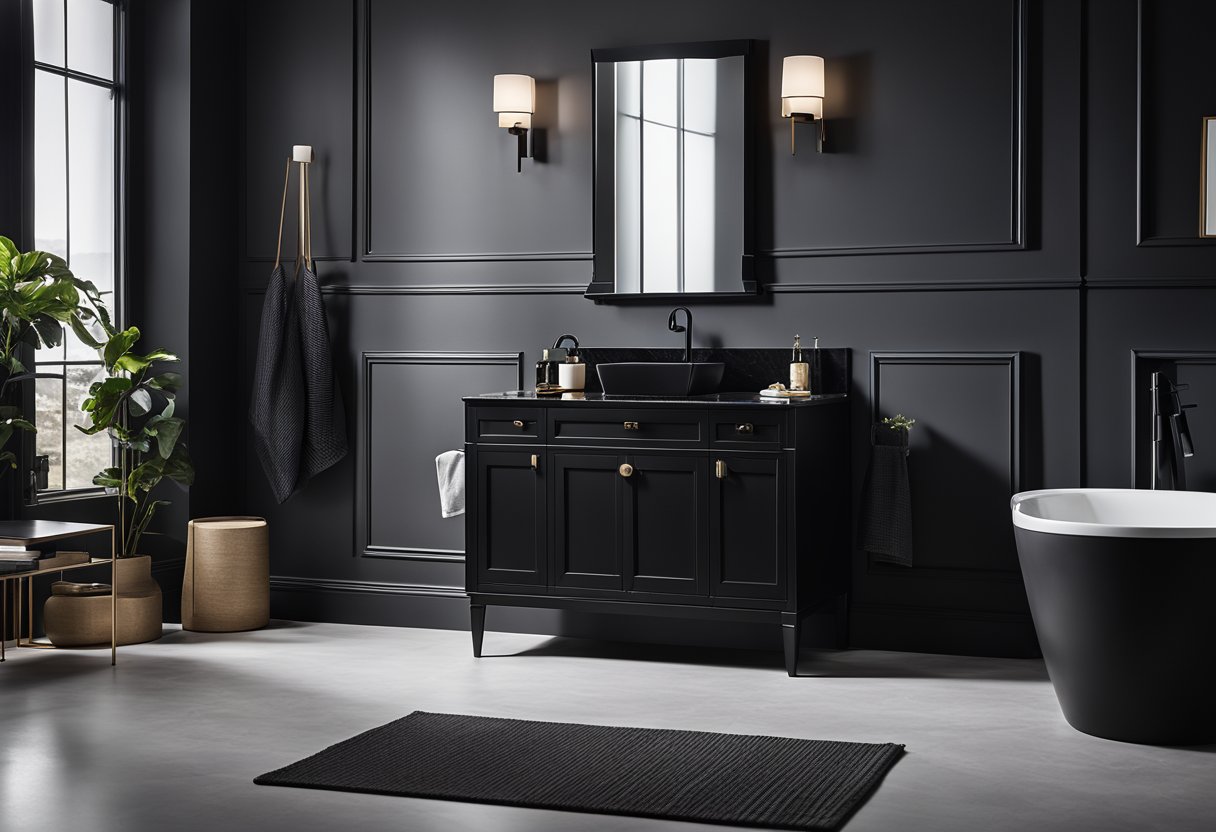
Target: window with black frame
76, 194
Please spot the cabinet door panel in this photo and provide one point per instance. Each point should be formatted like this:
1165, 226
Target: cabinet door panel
747, 526
665, 546
511, 518
586, 520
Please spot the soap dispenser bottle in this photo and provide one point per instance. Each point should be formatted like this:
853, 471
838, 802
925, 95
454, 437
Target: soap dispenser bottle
546, 372
800, 371
571, 372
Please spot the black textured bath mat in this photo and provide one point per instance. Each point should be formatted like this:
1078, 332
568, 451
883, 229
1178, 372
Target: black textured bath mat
773, 782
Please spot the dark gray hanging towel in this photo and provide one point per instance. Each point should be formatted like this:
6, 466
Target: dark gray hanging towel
298, 420
885, 522
324, 416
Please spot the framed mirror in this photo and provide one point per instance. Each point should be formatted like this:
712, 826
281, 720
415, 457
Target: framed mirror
672, 214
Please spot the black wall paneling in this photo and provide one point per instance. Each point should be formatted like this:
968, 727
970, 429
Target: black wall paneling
298, 89
1196, 369
965, 463
410, 411
971, 147
1171, 50
1143, 155
464, 203
995, 213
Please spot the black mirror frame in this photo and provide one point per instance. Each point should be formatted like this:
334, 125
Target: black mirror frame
603, 287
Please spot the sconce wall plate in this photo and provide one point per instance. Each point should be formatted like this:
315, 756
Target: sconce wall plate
802, 93
515, 103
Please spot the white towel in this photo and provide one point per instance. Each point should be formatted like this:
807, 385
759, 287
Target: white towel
449, 468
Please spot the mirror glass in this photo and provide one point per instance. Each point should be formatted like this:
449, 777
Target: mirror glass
671, 171
1207, 211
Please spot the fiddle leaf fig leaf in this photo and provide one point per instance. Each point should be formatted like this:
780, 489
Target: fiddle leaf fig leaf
139, 402
167, 433
167, 382
119, 345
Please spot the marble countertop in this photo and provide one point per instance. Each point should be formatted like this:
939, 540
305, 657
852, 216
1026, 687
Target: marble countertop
715, 399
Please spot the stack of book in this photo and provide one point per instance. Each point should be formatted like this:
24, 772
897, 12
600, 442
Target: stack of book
21, 559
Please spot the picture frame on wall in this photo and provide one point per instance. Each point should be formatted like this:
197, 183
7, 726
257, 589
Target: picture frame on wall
1207, 188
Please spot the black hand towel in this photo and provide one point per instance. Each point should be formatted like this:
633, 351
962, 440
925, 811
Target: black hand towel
885, 523
324, 417
276, 410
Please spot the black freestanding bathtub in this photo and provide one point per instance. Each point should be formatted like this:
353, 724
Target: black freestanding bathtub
1122, 589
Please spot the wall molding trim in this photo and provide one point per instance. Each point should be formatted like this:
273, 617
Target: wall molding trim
444, 289
1018, 177
921, 286
1143, 241
479, 257
1136, 388
1012, 361
364, 545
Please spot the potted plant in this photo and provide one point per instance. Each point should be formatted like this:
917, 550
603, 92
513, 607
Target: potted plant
134, 404
39, 296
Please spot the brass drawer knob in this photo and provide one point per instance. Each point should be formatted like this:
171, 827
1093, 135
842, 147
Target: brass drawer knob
535, 462
626, 470
720, 469
519, 423
632, 426
746, 427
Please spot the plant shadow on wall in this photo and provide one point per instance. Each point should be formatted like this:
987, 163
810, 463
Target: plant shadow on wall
39, 297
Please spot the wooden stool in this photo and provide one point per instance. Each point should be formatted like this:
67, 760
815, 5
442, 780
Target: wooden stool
227, 583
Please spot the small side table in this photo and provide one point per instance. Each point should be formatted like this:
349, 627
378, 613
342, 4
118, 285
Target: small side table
32, 533
226, 587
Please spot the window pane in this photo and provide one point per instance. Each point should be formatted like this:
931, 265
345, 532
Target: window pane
48, 393
91, 37
87, 455
91, 183
661, 196
48, 31
50, 165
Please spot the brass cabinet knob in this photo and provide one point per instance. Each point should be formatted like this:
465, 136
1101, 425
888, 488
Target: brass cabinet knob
720, 469
535, 462
626, 470
746, 427
519, 423
632, 426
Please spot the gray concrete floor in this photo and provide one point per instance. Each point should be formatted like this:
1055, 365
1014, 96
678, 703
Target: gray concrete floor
172, 738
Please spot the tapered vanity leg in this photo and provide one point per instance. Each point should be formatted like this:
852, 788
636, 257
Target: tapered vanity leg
792, 634
477, 618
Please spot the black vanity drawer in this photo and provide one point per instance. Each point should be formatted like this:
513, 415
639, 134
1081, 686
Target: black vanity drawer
506, 425
757, 430
643, 426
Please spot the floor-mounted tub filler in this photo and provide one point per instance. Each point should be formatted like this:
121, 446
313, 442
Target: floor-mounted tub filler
1122, 589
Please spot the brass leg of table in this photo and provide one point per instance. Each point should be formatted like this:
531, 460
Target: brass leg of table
3, 617
17, 615
113, 600
29, 607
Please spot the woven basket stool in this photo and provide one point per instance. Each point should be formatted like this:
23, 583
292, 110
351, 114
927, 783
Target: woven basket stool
227, 582
84, 620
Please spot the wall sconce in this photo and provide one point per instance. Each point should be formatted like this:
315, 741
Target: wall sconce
515, 102
802, 94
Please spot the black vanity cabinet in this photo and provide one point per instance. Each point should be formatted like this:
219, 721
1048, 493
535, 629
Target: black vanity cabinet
728, 508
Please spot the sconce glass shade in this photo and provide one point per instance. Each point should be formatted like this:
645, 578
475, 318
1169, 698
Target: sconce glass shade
514, 100
802, 85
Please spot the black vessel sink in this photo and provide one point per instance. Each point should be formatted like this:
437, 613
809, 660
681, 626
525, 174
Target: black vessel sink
660, 378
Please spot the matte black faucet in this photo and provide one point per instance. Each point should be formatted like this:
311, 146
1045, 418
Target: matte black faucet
686, 329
